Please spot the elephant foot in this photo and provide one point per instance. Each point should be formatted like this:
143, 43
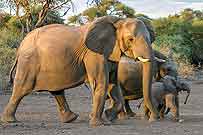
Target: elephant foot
152, 119
177, 120
122, 116
8, 118
111, 114
96, 122
161, 117
181, 120
67, 117
145, 117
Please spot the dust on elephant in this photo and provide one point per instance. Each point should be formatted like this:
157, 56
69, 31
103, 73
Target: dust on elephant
130, 76
165, 95
58, 57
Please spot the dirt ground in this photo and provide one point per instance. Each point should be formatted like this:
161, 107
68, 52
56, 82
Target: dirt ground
38, 115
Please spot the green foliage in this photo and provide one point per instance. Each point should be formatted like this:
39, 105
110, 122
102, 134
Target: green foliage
4, 18
105, 7
92, 13
171, 26
14, 24
6, 60
53, 17
197, 34
180, 48
181, 33
73, 19
9, 40
128, 12
197, 28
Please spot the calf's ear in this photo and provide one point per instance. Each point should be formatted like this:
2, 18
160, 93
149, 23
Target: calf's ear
169, 85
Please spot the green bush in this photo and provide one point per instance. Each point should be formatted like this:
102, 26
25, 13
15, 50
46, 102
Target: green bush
181, 50
6, 60
9, 40
7, 56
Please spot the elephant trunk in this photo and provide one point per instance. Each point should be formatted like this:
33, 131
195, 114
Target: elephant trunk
187, 88
188, 94
147, 84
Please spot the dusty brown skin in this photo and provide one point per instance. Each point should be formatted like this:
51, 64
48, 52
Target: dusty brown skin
58, 57
165, 95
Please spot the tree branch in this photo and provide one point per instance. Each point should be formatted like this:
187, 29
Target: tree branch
43, 13
65, 12
58, 6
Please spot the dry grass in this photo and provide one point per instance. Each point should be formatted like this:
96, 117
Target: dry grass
184, 68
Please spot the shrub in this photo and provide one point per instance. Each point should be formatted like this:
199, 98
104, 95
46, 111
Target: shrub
177, 44
184, 68
9, 40
6, 60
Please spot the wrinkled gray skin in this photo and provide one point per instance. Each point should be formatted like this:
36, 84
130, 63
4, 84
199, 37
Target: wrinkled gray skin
165, 95
130, 77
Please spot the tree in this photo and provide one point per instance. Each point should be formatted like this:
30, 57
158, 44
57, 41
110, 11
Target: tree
44, 8
102, 8
183, 33
187, 14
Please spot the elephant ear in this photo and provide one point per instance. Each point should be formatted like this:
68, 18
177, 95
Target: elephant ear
149, 27
160, 60
182, 85
101, 38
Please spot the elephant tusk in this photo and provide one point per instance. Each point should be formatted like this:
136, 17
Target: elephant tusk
159, 60
143, 59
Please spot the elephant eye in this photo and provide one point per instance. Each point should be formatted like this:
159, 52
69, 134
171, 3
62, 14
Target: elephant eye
131, 39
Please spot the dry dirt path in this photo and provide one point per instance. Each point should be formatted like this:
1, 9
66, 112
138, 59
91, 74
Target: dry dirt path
38, 116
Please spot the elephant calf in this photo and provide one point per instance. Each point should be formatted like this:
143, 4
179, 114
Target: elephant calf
165, 95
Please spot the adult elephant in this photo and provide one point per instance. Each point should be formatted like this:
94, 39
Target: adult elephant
58, 57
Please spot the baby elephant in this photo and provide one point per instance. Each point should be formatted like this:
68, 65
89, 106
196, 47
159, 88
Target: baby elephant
165, 95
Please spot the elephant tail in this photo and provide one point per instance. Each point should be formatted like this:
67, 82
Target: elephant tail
11, 71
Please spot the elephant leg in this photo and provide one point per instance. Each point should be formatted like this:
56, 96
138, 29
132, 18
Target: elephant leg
8, 114
175, 109
162, 111
129, 111
172, 102
117, 103
23, 85
65, 114
97, 73
146, 112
